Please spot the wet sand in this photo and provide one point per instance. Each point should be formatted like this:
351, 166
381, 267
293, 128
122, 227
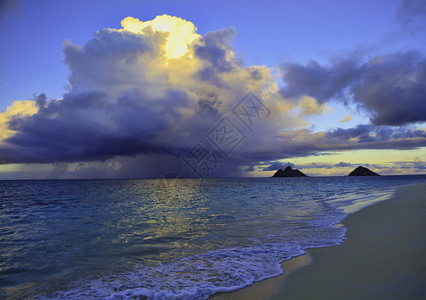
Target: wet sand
384, 257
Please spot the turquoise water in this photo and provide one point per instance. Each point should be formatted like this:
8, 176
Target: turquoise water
185, 238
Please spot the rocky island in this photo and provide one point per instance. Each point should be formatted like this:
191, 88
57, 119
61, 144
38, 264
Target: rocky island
361, 171
288, 172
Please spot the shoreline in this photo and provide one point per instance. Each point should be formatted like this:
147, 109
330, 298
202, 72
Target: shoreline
383, 256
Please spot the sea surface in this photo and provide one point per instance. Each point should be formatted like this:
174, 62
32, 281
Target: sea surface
174, 238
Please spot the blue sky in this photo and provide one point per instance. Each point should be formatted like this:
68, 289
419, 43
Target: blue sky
282, 37
268, 32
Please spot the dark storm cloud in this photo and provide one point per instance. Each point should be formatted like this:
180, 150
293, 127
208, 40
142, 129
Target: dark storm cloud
395, 89
41, 101
213, 49
362, 132
121, 103
112, 107
391, 87
377, 137
320, 82
86, 127
111, 58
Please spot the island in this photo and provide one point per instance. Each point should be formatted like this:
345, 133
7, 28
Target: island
288, 172
361, 171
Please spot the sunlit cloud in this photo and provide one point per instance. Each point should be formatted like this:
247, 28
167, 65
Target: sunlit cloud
18, 109
309, 106
345, 119
180, 33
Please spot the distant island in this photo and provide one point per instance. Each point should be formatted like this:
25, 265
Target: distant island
288, 172
361, 171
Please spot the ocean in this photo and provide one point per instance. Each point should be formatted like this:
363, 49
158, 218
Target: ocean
168, 238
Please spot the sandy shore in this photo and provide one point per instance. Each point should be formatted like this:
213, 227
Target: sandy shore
384, 257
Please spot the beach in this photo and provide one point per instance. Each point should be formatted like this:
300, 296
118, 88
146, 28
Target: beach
383, 257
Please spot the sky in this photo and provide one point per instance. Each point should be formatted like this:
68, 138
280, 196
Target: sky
151, 89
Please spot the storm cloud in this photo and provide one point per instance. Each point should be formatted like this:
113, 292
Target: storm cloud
145, 95
391, 87
131, 94
214, 49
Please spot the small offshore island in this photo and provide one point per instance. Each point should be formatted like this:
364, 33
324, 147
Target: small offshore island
289, 172
361, 171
